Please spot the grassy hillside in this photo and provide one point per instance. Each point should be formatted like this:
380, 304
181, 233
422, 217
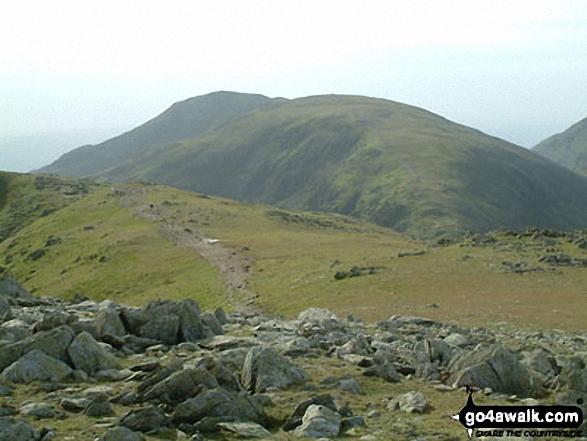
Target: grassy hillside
186, 119
99, 246
568, 148
386, 162
296, 256
25, 198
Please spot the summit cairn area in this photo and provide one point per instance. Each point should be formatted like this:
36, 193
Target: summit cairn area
88, 370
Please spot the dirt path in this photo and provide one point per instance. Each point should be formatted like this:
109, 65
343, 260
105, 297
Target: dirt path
234, 268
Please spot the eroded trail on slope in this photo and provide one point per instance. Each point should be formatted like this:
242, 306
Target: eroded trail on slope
234, 268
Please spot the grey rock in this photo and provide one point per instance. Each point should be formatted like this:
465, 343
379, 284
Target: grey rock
456, 340
5, 310
495, 367
145, 419
74, 405
211, 322
108, 323
219, 403
37, 410
266, 368
35, 366
181, 385
13, 290
14, 331
319, 320
358, 345
350, 385
99, 407
121, 434
295, 419
246, 430
18, 431
86, 354
319, 422
221, 316
384, 370
163, 328
409, 402
53, 343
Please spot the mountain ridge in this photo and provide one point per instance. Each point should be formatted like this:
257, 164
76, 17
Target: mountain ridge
568, 148
383, 161
184, 119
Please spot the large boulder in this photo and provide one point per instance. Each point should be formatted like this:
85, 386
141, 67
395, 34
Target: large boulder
319, 422
181, 385
53, 343
411, 402
86, 354
5, 310
164, 328
121, 433
13, 290
35, 366
166, 321
145, 419
219, 403
108, 323
572, 384
318, 320
11, 430
266, 368
494, 367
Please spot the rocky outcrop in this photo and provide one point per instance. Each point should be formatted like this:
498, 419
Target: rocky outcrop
215, 373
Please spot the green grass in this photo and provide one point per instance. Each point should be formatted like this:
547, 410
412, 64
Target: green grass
295, 263
293, 258
105, 252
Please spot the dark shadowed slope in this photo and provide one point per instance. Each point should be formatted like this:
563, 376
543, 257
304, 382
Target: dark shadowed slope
568, 148
183, 120
396, 165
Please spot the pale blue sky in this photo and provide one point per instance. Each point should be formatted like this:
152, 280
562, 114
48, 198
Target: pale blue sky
77, 72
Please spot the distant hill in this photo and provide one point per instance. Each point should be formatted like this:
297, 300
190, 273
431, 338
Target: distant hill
568, 148
183, 120
393, 164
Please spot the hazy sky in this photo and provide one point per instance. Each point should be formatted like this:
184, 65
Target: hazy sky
76, 72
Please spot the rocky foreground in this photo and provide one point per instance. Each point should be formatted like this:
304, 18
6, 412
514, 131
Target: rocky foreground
169, 370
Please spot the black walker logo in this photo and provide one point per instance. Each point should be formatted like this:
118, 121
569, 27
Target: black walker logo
562, 421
